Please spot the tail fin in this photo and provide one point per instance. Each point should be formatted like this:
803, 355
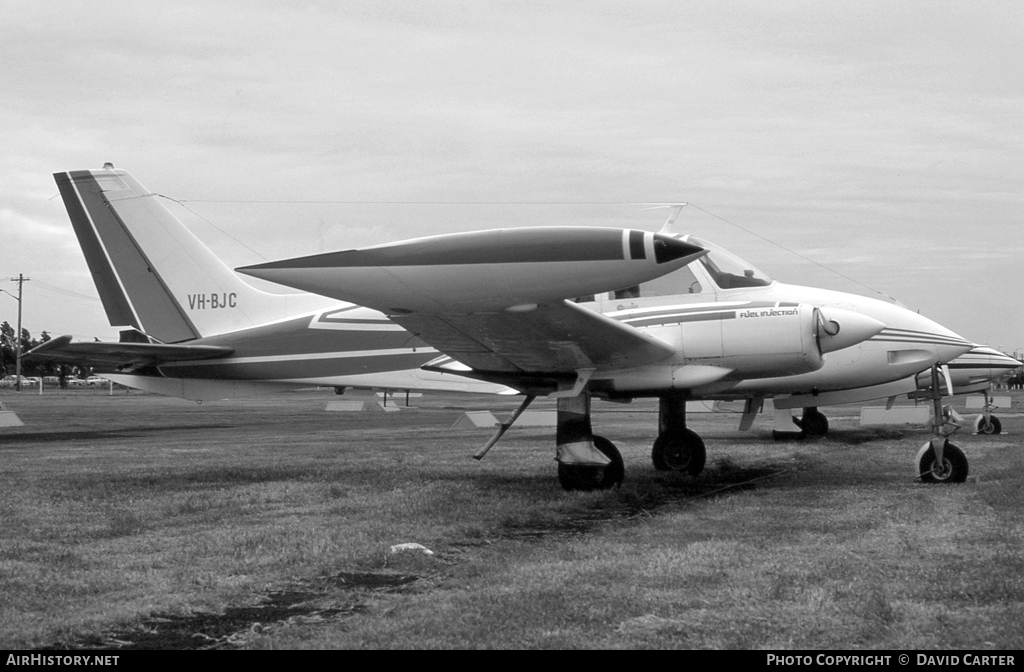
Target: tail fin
152, 273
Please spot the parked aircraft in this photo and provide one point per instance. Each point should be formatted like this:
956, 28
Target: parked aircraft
974, 372
572, 313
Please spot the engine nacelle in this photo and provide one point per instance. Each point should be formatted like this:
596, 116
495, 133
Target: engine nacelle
720, 343
758, 342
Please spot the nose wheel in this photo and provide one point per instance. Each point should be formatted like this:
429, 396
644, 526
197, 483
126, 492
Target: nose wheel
989, 425
951, 467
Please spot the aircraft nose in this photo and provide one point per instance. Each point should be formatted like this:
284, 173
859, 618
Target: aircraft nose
946, 344
992, 358
838, 328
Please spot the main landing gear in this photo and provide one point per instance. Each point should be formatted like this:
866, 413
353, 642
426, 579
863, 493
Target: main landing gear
590, 462
677, 448
585, 461
813, 422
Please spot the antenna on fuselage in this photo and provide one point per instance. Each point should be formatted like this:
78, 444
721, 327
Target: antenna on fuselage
668, 226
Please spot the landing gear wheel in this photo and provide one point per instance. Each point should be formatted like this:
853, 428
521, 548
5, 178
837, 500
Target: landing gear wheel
952, 470
814, 423
683, 451
993, 426
576, 477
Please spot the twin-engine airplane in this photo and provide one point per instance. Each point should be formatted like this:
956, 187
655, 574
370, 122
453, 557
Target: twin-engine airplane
566, 312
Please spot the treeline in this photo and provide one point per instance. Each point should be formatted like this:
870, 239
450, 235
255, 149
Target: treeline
1016, 379
8, 356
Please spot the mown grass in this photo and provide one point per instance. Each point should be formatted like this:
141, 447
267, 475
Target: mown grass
105, 520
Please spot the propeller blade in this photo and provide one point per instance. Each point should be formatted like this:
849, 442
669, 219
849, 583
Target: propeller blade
949, 379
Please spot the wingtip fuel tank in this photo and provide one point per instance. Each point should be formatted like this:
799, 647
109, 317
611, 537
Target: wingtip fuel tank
485, 270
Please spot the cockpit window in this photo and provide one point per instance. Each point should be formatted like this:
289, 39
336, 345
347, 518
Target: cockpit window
727, 270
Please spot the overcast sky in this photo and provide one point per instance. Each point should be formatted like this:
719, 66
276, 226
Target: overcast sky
883, 140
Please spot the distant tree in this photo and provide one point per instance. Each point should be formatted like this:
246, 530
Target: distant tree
7, 357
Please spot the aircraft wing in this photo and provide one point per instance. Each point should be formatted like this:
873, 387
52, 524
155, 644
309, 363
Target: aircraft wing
551, 338
498, 301
121, 355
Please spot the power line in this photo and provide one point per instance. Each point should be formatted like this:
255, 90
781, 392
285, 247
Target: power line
66, 292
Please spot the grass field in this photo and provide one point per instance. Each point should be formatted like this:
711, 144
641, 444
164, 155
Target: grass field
139, 521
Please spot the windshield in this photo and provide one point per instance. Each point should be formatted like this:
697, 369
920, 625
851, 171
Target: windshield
726, 269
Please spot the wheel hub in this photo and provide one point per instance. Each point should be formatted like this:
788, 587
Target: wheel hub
677, 456
942, 471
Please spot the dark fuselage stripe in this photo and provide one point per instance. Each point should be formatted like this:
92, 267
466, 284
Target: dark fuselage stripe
679, 319
286, 368
982, 365
636, 245
115, 302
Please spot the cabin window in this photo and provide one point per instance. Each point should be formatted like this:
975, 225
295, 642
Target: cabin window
682, 281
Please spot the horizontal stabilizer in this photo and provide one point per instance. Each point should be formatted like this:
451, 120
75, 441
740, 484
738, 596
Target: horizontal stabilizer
122, 355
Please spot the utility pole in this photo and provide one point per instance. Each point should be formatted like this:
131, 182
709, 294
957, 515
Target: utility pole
21, 280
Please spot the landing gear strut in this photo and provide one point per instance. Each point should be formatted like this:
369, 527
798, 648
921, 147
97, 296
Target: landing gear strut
677, 448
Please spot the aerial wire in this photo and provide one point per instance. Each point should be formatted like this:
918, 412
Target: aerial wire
793, 252
183, 204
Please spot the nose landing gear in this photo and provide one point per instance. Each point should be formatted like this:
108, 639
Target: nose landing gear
986, 423
940, 460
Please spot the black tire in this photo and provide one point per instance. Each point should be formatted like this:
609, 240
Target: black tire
993, 426
954, 466
814, 423
574, 477
683, 452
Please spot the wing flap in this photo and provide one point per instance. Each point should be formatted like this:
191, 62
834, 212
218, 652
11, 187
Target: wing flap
122, 355
551, 338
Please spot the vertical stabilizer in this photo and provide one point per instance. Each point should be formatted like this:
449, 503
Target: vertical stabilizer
152, 273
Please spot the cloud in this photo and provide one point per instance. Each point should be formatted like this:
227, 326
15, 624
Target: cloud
881, 132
